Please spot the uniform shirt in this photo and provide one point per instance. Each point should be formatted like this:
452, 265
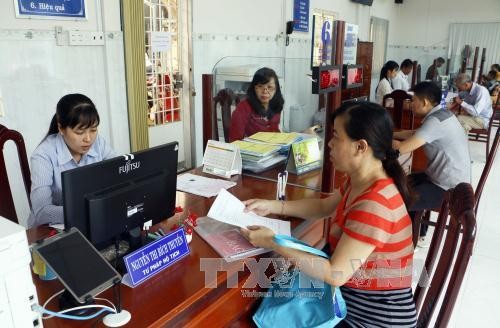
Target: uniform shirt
432, 73
384, 87
49, 159
446, 148
245, 122
400, 82
478, 103
378, 217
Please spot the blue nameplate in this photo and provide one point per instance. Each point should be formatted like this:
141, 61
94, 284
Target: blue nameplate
54, 8
156, 256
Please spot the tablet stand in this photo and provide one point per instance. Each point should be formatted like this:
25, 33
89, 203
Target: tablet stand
67, 301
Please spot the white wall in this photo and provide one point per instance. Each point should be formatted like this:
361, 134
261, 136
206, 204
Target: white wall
35, 73
426, 27
426, 22
254, 29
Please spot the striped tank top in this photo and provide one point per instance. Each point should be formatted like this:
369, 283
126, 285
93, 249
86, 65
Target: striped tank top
379, 293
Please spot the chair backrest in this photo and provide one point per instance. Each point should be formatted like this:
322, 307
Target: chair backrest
462, 223
7, 208
223, 100
419, 73
402, 114
414, 73
487, 168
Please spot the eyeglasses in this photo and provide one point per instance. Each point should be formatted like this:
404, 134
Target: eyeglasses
262, 87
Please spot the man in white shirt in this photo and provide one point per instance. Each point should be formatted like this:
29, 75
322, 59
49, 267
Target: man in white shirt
476, 102
401, 80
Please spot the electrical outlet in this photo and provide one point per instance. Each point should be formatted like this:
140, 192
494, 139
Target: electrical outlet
96, 38
86, 38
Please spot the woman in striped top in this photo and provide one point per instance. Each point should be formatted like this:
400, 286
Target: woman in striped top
72, 141
370, 235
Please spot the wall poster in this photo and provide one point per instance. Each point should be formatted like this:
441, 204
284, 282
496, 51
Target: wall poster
322, 47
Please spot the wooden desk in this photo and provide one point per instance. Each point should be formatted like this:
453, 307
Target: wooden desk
177, 296
309, 180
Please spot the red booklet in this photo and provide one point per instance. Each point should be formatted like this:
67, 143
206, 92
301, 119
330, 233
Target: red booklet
226, 239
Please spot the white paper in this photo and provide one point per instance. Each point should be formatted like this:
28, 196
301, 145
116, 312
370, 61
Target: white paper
229, 209
202, 186
161, 41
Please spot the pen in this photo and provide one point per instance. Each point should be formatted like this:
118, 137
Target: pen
153, 236
281, 185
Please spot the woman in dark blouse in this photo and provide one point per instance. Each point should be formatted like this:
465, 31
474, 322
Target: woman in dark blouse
261, 110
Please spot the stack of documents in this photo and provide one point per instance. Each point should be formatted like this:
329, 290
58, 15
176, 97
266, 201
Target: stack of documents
202, 186
257, 150
264, 150
275, 138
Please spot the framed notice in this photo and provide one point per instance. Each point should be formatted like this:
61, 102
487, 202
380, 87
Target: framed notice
322, 41
350, 44
50, 9
301, 15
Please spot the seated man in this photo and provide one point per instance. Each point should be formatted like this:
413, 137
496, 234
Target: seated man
400, 82
476, 102
445, 146
433, 72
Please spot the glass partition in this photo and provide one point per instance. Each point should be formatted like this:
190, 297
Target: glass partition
301, 111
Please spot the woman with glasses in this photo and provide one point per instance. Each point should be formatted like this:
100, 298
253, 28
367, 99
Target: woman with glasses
261, 110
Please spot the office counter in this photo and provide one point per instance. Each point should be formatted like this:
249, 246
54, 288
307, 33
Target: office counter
177, 296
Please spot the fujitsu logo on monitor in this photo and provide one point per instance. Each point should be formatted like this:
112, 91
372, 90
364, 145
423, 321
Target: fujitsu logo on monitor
129, 166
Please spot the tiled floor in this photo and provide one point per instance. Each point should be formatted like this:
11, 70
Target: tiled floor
477, 304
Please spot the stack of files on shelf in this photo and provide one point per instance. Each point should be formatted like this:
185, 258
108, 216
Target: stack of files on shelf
259, 156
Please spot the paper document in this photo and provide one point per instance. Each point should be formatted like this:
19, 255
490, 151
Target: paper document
256, 149
229, 209
202, 186
279, 138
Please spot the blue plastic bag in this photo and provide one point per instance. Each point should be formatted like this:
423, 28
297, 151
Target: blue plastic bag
301, 301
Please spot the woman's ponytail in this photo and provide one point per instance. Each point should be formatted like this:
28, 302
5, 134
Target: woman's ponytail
393, 169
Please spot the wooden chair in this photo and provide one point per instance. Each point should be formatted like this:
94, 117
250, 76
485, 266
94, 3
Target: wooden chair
496, 113
461, 223
7, 208
224, 99
482, 135
486, 170
400, 108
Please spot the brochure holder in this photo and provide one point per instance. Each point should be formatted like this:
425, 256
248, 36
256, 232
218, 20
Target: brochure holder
222, 159
304, 156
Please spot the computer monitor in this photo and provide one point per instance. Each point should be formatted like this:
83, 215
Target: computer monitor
353, 76
105, 199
